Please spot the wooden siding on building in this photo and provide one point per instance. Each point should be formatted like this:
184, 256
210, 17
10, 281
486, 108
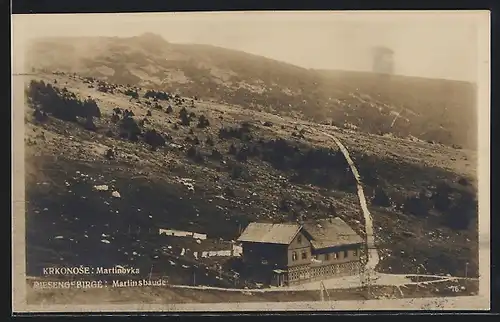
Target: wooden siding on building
274, 254
299, 245
329, 266
337, 256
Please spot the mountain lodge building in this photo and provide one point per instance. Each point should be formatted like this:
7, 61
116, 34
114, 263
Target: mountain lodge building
289, 254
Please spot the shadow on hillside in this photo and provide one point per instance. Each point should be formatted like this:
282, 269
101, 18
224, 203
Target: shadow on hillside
69, 222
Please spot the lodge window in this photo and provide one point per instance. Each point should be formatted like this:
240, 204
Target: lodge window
355, 253
345, 254
299, 239
304, 255
327, 256
335, 255
294, 256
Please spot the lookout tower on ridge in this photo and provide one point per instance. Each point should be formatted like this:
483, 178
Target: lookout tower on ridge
383, 61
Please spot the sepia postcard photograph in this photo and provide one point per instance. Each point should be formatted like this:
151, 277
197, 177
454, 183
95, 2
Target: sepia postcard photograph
251, 161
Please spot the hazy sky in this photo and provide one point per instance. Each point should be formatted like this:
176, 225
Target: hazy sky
426, 44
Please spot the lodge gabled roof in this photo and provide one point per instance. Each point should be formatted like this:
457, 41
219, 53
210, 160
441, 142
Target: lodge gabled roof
332, 232
270, 233
325, 233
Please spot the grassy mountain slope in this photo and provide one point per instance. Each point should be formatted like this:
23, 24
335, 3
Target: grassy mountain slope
267, 168
435, 110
